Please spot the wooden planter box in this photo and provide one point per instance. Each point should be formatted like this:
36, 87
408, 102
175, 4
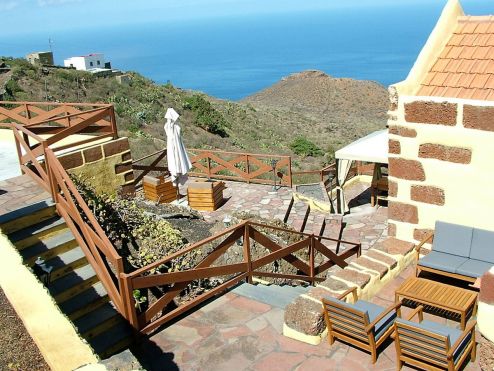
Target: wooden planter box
158, 189
205, 196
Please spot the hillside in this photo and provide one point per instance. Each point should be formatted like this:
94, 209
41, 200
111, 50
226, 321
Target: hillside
324, 112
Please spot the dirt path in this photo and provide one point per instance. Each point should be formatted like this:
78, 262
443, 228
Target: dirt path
17, 349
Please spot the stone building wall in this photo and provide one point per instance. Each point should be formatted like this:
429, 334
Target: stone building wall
441, 164
107, 166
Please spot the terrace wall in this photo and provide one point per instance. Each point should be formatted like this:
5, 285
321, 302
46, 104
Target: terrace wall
442, 167
107, 166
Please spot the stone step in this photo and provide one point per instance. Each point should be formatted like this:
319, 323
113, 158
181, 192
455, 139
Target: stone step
85, 302
49, 248
98, 320
113, 340
66, 262
27, 216
31, 235
273, 295
298, 289
73, 283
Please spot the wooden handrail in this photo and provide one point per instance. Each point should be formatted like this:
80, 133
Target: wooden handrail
245, 268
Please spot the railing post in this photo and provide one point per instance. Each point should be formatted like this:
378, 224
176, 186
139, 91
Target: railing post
209, 166
312, 258
290, 180
113, 122
49, 174
128, 301
247, 168
247, 257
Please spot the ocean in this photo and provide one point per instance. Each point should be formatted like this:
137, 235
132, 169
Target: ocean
232, 58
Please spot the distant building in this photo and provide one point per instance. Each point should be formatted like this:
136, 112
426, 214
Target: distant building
41, 58
86, 62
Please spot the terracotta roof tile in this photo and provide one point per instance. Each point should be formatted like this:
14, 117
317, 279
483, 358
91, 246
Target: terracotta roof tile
445, 52
480, 66
490, 83
479, 81
440, 65
465, 66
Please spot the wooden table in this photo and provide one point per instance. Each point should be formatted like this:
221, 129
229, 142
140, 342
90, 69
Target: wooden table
439, 295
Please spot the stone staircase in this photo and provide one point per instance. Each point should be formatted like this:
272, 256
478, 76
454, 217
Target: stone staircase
37, 231
274, 295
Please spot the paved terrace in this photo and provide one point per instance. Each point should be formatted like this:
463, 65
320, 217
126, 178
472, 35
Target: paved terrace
234, 332
364, 223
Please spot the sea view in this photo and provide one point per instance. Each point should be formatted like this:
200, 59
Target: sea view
233, 57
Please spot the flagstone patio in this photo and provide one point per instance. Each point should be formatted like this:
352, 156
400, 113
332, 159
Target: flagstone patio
234, 332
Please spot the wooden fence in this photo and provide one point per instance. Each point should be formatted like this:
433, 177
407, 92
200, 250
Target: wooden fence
38, 159
245, 167
174, 283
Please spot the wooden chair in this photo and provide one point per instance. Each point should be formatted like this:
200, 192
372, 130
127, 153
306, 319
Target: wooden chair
363, 324
432, 346
379, 185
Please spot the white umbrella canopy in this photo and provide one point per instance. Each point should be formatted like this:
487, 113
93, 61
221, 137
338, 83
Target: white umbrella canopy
177, 157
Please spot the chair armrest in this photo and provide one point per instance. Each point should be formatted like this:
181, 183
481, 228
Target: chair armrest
371, 325
352, 290
426, 239
417, 247
469, 329
419, 310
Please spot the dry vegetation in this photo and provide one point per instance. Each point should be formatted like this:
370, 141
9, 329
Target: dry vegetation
326, 112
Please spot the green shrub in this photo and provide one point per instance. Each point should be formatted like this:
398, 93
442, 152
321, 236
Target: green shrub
207, 117
304, 147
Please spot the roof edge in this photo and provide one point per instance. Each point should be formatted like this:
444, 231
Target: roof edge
432, 49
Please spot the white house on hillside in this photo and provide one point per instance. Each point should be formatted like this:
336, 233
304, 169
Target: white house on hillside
86, 62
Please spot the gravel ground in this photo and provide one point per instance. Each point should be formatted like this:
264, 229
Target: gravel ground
17, 349
486, 350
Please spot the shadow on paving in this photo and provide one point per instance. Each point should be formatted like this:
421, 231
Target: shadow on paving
151, 357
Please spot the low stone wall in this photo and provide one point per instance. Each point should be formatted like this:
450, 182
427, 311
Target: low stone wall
369, 273
485, 312
107, 166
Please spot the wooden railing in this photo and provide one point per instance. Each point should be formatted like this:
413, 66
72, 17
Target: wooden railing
99, 251
244, 167
175, 283
38, 159
247, 167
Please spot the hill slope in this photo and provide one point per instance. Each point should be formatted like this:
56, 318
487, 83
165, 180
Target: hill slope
327, 112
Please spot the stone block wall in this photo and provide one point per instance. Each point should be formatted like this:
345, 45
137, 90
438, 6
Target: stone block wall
441, 164
107, 166
369, 273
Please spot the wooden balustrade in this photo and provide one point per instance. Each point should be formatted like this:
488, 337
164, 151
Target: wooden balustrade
174, 283
37, 158
244, 167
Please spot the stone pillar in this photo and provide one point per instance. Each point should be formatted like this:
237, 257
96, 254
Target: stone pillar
485, 315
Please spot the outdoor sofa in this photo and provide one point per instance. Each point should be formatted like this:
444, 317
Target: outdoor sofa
458, 251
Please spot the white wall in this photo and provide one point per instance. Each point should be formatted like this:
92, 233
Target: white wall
86, 62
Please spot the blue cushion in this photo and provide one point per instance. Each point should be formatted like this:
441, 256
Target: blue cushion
473, 268
452, 333
442, 261
452, 239
482, 245
373, 311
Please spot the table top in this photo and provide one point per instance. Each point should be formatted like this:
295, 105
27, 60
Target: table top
437, 294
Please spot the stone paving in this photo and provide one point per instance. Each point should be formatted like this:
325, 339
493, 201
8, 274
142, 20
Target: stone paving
233, 332
364, 224
18, 192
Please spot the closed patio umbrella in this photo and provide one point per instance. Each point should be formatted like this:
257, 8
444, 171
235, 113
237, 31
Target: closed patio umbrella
177, 158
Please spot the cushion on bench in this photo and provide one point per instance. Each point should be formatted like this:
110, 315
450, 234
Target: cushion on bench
452, 239
442, 261
473, 268
482, 245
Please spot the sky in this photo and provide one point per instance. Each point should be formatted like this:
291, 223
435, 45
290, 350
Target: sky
28, 16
